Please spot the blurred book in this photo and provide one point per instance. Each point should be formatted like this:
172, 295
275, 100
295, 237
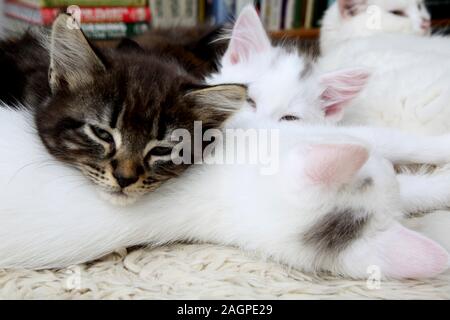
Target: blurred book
100, 19
168, 13
46, 15
104, 31
276, 14
86, 3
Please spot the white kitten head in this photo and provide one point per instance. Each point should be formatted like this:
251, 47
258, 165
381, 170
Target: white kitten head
284, 85
348, 19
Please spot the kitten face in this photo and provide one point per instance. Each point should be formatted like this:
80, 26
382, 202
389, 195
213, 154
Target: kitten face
112, 116
348, 19
284, 86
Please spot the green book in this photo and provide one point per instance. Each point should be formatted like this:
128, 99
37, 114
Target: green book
104, 31
86, 3
320, 6
298, 11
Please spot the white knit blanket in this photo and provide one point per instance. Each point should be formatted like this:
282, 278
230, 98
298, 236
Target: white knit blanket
200, 272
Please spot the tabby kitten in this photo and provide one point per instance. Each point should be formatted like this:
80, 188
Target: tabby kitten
111, 113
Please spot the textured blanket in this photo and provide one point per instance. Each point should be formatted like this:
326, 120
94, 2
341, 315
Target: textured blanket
201, 272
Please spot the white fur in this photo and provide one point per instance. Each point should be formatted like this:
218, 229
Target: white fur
433, 225
273, 75
408, 90
51, 217
372, 17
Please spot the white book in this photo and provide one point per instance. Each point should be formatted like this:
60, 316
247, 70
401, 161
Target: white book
157, 8
290, 13
309, 13
189, 13
241, 4
170, 13
271, 11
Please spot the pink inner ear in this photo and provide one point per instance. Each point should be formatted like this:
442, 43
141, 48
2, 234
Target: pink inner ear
334, 164
408, 254
248, 37
348, 8
340, 89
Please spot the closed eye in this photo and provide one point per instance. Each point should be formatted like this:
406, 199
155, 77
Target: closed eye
158, 154
102, 134
290, 118
160, 151
399, 13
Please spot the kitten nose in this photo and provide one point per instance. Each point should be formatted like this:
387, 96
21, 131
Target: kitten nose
125, 181
426, 24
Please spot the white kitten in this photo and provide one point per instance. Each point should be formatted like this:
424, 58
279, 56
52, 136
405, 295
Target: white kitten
329, 207
287, 87
350, 19
408, 88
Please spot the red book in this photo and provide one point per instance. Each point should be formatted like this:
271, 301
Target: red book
46, 16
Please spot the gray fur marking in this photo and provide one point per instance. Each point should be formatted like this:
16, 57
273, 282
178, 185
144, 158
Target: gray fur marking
335, 231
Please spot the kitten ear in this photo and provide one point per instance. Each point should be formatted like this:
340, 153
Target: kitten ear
215, 104
340, 88
73, 61
349, 8
402, 253
248, 37
334, 164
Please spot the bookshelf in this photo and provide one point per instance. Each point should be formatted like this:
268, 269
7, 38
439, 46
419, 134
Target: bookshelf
297, 33
441, 23
312, 34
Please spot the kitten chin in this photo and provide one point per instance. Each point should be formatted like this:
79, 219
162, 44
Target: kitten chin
118, 198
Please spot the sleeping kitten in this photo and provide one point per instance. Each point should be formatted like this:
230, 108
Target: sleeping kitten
410, 78
288, 87
350, 19
330, 207
111, 113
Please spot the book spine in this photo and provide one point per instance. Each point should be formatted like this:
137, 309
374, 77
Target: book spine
241, 4
25, 13
309, 13
273, 14
209, 12
103, 31
201, 18
89, 3
158, 12
223, 11
289, 15
298, 14
189, 12
116, 14
46, 16
320, 7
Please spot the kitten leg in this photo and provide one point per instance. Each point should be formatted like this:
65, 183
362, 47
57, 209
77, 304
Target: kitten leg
404, 148
434, 225
425, 192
